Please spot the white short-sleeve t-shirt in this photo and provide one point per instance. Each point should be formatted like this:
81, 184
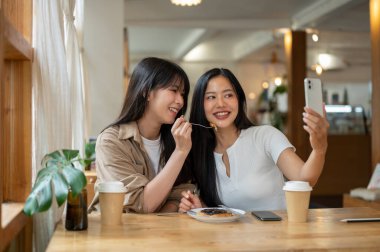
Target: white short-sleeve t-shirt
153, 149
255, 182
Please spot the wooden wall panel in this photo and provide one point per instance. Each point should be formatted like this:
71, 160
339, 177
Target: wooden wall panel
2, 94
18, 136
375, 44
19, 13
15, 123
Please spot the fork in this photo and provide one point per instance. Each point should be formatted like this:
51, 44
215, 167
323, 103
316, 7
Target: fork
206, 127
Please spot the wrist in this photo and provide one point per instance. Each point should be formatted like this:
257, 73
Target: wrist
181, 152
320, 153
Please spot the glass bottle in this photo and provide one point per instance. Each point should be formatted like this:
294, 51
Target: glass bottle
76, 211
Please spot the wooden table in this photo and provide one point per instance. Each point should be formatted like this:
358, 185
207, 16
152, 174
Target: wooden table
148, 232
349, 201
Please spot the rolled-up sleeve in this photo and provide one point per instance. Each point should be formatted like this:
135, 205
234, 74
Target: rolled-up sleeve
175, 194
114, 161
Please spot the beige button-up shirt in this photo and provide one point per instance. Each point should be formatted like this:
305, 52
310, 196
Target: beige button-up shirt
120, 155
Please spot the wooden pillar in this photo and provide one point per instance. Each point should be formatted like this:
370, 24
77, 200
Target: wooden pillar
375, 45
295, 50
1, 118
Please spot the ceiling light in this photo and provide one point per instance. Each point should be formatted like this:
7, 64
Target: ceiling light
197, 53
330, 61
278, 81
265, 84
315, 37
251, 95
325, 59
186, 2
318, 69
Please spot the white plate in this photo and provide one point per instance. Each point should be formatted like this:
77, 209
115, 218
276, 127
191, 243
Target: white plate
236, 214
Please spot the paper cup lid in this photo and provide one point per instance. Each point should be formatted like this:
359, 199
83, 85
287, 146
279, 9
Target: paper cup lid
299, 186
111, 186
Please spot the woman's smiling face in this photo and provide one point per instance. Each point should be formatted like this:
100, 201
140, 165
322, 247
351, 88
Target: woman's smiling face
165, 104
221, 102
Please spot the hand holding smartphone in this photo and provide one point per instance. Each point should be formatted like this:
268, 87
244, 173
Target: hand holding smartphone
313, 95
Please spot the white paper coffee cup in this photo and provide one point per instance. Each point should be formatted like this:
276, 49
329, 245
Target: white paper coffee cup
111, 186
297, 186
111, 199
297, 195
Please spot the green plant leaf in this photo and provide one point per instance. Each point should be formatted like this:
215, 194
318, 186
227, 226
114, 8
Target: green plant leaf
70, 154
46, 171
60, 188
86, 161
45, 197
59, 172
40, 198
280, 89
89, 150
31, 206
75, 178
53, 158
54, 155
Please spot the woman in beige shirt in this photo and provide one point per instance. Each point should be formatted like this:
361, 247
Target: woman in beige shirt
146, 147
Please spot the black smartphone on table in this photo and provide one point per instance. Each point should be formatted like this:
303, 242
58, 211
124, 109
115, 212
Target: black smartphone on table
266, 216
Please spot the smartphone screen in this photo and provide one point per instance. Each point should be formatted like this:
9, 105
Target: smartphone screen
313, 94
266, 216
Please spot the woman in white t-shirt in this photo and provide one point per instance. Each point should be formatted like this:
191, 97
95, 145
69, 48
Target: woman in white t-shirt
238, 164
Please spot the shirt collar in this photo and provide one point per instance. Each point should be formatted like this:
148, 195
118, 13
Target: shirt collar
129, 130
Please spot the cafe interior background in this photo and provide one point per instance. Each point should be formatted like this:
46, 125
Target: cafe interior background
247, 37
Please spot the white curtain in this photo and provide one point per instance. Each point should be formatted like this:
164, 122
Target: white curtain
57, 97
75, 76
79, 24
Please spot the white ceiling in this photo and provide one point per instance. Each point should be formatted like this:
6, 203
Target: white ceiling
244, 30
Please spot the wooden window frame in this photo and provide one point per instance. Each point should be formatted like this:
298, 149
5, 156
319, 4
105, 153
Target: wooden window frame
16, 56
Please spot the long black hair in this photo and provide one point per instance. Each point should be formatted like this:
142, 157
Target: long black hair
204, 141
152, 74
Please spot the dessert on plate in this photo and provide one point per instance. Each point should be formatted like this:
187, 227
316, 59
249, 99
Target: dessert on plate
215, 212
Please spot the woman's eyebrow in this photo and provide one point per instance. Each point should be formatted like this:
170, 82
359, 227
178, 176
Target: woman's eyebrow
228, 90
210, 92
224, 91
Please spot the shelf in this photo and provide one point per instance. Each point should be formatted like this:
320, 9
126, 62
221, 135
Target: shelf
15, 45
13, 220
9, 212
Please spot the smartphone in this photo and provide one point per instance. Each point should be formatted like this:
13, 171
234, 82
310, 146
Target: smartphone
313, 94
266, 216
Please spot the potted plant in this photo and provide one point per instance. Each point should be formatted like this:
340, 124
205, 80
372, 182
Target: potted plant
59, 172
89, 155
